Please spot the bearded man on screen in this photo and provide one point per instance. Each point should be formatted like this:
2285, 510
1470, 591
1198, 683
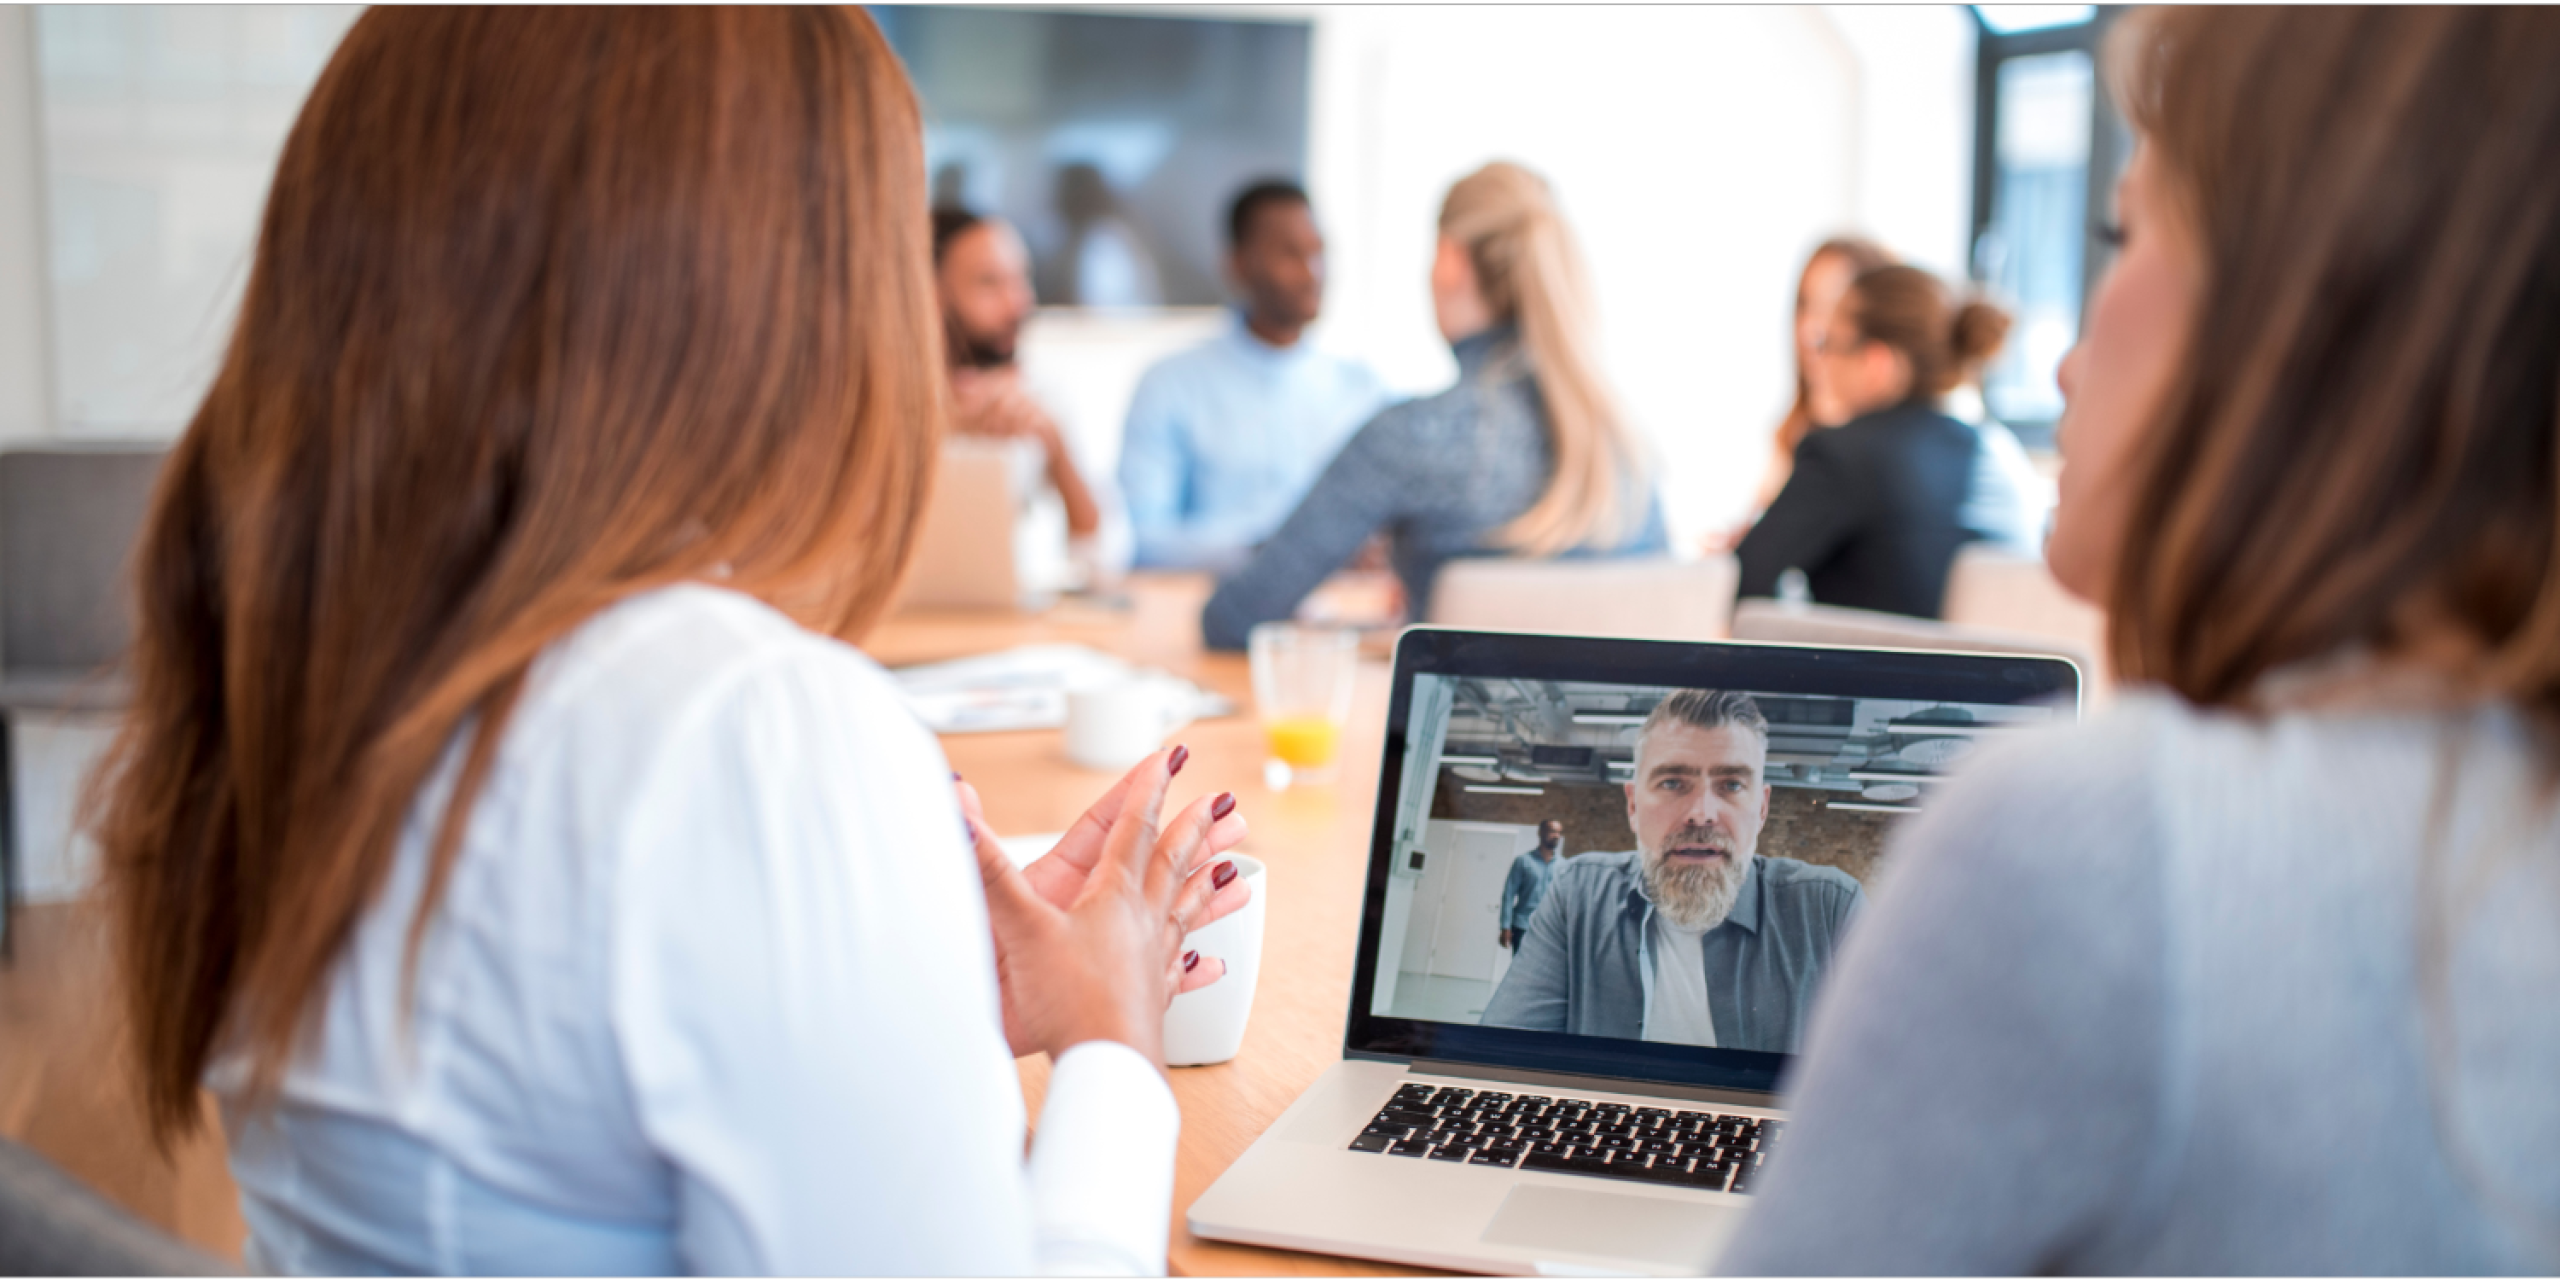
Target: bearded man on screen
1693, 937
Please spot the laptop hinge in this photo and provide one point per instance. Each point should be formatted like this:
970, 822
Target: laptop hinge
1597, 1084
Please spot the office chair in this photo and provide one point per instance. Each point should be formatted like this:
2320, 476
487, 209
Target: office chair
69, 516
1645, 599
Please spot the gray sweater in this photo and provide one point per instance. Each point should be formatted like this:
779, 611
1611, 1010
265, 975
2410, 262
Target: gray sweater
1437, 474
2145, 995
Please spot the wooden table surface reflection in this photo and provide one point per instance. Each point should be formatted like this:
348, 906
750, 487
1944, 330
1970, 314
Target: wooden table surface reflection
1314, 839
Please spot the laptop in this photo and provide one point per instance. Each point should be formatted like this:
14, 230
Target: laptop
968, 545
1602, 1094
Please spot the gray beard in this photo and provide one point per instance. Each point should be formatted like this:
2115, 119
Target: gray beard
1695, 898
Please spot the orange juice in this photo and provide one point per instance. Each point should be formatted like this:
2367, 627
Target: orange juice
1304, 742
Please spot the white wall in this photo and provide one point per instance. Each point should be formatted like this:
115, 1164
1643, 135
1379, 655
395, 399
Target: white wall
26, 394
1699, 153
162, 128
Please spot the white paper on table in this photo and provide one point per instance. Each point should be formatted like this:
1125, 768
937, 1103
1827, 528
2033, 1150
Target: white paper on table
1020, 688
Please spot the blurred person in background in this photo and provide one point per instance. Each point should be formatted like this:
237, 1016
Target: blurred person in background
2008, 501
1528, 455
983, 274
1827, 273
1877, 507
2253, 974
502, 829
1224, 439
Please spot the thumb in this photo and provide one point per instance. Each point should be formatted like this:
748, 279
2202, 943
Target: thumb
1010, 898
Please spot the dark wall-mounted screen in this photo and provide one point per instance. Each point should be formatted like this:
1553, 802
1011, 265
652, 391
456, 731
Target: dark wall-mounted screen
1113, 142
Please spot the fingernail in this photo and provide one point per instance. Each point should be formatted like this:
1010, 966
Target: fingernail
1190, 961
1223, 876
1174, 766
955, 775
1222, 806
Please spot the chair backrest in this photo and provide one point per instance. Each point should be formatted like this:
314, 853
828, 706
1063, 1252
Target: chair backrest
69, 518
1991, 586
1771, 620
1999, 589
50, 1225
1647, 599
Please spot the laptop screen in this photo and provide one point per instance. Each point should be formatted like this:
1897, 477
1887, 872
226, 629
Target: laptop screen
1632, 859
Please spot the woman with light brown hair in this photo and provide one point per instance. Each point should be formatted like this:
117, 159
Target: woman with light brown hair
1528, 455
503, 831
2255, 973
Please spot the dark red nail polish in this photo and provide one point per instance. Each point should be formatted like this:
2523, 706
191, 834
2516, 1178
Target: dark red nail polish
1190, 961
955, 775
1223, 876
1222, 806
1173, 766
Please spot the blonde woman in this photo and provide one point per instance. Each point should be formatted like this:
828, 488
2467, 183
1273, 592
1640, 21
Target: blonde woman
1527, 455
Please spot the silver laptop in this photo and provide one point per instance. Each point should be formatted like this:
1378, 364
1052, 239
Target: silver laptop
1565, 1053
968, 549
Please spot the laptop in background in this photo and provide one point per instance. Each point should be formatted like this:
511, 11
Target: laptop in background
968, 552
1553, 1107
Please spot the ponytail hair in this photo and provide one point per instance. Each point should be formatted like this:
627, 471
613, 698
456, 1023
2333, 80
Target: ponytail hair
1947, 340
1531, 273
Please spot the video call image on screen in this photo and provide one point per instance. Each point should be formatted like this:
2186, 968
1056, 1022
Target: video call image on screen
1646, 863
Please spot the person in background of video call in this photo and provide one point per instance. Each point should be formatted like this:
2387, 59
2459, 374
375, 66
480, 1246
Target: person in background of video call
1693, 937
1223, 440
1526, 886
983, 274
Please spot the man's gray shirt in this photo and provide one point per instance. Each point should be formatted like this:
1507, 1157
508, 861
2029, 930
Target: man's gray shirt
1525, 888
1584, 968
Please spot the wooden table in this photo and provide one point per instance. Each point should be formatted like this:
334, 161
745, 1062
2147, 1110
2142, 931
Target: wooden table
1314, 840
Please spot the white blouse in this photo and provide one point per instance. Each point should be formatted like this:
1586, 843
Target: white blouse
710, 990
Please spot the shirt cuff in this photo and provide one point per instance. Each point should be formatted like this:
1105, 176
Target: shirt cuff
1102, 1165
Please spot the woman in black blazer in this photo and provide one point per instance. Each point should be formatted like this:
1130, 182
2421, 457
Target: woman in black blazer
1874, 513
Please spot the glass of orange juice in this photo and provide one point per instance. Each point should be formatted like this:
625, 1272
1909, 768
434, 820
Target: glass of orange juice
1302, 678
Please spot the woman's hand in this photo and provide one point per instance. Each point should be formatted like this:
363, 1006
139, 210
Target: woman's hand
1074, 931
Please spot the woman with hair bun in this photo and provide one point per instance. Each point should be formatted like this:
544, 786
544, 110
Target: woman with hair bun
1529, 455
1876, 508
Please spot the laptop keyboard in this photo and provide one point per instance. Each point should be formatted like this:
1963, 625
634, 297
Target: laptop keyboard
1571, 1135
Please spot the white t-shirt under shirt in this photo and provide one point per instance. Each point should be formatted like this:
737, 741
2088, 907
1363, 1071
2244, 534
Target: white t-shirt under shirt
1678, 1012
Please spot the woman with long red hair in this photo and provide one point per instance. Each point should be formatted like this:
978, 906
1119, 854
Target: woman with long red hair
504, 830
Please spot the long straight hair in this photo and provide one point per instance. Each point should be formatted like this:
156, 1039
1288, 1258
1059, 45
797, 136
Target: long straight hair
1531, 273
549, 307
2361, 446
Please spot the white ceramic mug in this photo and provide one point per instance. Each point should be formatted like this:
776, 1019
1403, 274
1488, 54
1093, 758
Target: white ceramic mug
1207, 1025
1114, 726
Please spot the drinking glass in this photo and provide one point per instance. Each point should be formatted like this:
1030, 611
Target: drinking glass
1302, 678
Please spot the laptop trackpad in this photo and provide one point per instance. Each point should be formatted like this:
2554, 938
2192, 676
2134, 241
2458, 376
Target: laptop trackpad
1665, 1232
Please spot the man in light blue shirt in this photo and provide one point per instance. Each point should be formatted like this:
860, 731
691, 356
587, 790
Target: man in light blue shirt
1224, 439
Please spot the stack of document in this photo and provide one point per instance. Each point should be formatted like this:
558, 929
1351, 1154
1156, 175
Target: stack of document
1023, 688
